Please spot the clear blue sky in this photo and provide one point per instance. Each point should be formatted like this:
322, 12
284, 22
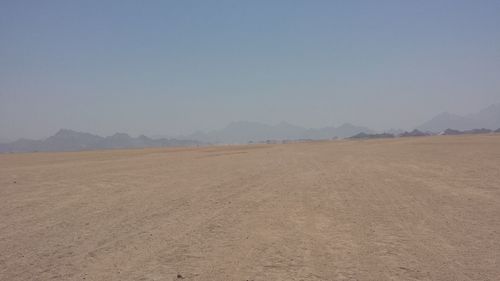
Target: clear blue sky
172, 67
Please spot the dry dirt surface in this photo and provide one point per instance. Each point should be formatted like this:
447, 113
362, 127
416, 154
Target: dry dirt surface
400, 209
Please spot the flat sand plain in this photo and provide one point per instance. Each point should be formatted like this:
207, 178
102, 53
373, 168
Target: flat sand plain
400, 209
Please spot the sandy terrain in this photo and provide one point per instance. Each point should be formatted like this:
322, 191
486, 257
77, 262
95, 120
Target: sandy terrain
402, 209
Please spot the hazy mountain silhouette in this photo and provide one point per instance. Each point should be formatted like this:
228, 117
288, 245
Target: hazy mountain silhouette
344, 131
396, 132
414, 133
69, 140
467, 132
372, 136
488, 118
236, 132
246, 131
66, 140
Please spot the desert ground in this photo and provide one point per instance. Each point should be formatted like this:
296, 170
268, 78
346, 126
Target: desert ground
397, 209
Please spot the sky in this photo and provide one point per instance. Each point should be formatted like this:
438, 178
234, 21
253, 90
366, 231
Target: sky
174, 67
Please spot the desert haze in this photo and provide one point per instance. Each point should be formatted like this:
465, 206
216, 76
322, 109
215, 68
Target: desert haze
392, 209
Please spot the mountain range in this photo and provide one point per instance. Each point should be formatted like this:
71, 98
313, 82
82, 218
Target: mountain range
69, 140
246, 131
488, 118
235, 133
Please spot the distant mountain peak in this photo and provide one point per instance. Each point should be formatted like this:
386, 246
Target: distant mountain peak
65, 132
488, 117
494, 107
121, 135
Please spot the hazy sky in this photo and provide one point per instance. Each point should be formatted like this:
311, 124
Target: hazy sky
172, 67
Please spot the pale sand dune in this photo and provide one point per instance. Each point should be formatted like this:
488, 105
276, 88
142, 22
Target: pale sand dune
402, 209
